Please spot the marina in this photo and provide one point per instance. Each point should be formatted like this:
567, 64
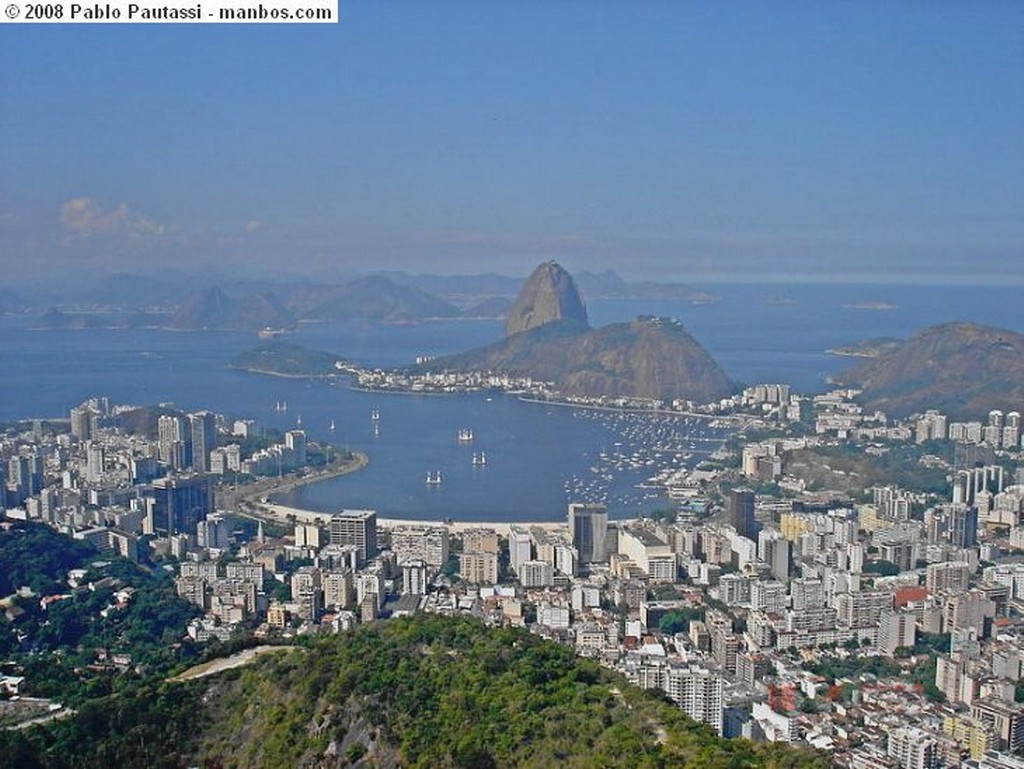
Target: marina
633, 462
661, 452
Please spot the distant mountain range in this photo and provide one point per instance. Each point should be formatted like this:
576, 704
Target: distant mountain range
373, 300
58, 320
963, 369
608, 284
214, 309
195, 302
376, 299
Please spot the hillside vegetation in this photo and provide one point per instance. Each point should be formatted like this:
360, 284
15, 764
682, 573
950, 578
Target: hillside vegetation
285, 359
962, 369
422, 692
56, 642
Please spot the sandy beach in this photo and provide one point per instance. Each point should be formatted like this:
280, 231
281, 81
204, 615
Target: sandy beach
283, 513
257, 504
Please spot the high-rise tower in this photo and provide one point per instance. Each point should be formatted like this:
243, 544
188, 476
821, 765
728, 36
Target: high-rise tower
204, 439
741, 513
174, 441
588, 527
356, 527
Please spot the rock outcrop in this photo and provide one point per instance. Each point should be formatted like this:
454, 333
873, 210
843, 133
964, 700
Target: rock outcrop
548, 295
549, 339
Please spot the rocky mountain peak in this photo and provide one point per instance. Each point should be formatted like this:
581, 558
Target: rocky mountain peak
548, 295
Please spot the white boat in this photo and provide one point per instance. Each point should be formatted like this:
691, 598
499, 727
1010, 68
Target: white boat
332, 426
479, 459
465, 435
434, 478
375, 415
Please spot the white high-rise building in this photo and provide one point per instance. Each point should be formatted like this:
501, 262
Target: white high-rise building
896, 629
214, 532
426, 543
807, 593
296, 441
913, 748
414, 577
698, 692
519, 549
95, 458
307, 592
339, 588
536, 574
356, 527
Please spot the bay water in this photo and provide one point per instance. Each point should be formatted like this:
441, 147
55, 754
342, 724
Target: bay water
538, 457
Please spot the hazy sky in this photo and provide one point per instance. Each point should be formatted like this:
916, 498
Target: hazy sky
688, 140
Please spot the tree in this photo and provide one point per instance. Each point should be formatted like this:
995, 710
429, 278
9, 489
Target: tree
673, 622
883, 568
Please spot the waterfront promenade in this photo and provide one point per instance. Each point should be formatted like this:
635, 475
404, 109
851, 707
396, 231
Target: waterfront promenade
255, 503
286, 514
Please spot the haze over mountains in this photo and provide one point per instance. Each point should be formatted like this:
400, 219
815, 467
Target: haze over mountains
184, 301
960, 367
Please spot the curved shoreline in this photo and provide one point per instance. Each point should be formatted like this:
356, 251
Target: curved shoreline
282, 374
285, 514
257, 495
630, 409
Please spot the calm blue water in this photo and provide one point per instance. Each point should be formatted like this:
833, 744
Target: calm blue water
538, 457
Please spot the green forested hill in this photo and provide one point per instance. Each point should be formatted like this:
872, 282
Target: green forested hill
286, 359
423, 692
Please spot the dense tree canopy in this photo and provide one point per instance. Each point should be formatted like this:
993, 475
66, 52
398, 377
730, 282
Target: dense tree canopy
422, 692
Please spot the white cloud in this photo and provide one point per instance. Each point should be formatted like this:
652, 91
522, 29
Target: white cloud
84, 217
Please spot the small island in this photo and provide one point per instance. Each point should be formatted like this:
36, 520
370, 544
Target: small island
878, 306
866, 348
286, 359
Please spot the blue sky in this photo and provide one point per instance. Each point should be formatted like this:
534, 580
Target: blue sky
683, 140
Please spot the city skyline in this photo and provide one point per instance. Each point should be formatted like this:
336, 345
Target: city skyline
667, 141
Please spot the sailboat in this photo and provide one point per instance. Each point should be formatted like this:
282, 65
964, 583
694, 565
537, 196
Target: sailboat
332, 426
480, 459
